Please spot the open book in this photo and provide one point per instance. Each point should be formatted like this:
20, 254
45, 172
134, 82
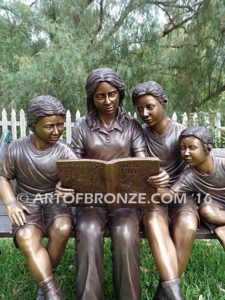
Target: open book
115, 183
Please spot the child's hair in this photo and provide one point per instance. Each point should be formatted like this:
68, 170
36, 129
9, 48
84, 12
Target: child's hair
200, 133
150, 88
42, 106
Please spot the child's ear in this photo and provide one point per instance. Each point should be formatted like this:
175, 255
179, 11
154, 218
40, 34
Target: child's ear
31, 128
210, 148
164, 103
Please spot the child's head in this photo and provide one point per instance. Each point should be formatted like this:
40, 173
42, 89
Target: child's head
150, 101
43, 106
201, 133
150, 88
195, 145
46, 116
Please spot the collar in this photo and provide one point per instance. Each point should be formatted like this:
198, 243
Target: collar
98, 126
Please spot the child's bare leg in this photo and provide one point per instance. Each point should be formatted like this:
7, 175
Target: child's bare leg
220, 233
212, 214
183, 232
58, 232
161, 244
29, 240
216, 216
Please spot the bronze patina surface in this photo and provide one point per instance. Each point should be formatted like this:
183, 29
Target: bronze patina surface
170, 228
32, 162
107, 132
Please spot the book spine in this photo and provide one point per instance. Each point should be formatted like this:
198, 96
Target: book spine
110, 178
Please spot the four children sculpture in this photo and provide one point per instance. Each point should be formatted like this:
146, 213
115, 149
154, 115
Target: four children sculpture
108, 132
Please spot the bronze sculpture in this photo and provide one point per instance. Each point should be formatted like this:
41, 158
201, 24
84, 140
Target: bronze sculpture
205, 177
107, 132
34, 210
171, 228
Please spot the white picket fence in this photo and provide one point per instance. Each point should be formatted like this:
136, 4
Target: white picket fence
19, 127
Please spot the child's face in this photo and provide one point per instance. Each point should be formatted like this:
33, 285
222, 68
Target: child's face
150, 110
48, 130
106, 99
192, 151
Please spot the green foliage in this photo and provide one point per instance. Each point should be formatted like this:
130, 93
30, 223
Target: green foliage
199, 60
51, 46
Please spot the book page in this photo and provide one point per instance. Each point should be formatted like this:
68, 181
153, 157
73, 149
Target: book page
130, 184
83, 175
114, 184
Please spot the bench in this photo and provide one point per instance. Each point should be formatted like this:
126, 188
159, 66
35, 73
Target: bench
6, 227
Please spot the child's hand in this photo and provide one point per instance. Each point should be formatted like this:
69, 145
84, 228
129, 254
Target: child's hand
16, 213
62, 192
159, 181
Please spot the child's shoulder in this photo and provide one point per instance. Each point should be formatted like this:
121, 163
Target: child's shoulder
19, 142
219, 161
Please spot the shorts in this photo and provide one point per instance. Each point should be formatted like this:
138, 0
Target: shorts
171, 211
42, 215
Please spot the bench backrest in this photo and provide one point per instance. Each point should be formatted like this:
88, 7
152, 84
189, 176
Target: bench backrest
220, 152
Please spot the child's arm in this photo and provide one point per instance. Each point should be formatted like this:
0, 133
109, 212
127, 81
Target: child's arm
15, 209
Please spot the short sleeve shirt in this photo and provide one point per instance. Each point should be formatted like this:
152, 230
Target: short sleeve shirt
165, 146
34, 170
98, 143
211, 186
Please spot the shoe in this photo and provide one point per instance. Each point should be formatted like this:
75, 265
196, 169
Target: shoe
40, 294
159, 294
172, 290
51, 289
54, 295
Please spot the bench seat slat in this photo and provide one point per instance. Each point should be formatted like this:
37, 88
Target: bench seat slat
6, 228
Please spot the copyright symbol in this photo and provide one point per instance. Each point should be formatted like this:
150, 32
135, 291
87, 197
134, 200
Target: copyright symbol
22, 197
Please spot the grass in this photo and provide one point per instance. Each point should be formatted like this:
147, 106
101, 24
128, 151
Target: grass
204, 278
